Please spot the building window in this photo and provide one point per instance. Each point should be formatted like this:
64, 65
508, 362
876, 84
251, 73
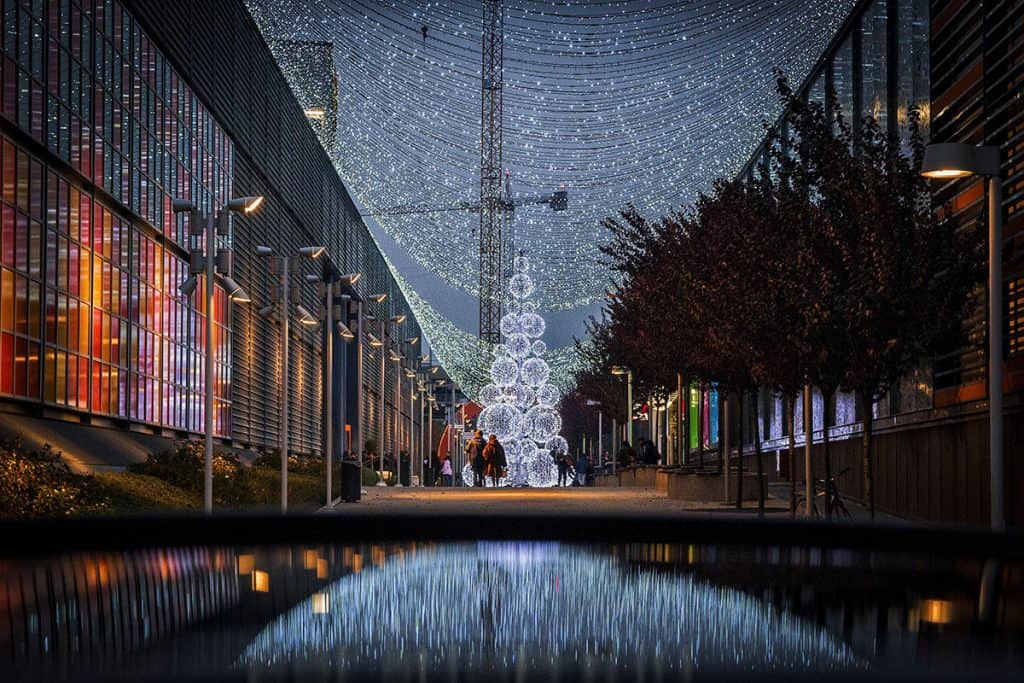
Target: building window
874, 62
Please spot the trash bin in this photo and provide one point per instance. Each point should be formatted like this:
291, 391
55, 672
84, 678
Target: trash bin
351, 486
404, 471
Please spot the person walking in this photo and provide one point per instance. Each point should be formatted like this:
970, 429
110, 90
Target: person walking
582, 464
475, 456
446, 472
435, 468
494, 456
563, 469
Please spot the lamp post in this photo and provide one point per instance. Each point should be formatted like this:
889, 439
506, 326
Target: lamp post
331, 328
210, 262
378, 344
284, 298
599, 429
620, 370
396, 357
959, 160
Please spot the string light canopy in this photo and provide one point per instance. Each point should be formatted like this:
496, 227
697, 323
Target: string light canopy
615, 101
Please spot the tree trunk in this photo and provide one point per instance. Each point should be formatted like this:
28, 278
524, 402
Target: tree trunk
700, 424
739, 450
757, 454
869, 474
686, 423
826, 400
792, 456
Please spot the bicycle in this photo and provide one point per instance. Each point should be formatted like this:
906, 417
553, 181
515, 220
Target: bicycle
835, 500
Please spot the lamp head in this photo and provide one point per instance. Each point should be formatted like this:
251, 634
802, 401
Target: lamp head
351, 279
181, 205
343, 331
378, 298
189, 285
245, 205
305, 317
398, 319
959, 160
234, 290
264, 251
312, 252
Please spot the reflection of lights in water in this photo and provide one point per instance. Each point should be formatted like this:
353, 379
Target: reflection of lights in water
508, 605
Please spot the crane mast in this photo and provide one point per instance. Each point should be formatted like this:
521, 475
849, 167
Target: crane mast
492, 200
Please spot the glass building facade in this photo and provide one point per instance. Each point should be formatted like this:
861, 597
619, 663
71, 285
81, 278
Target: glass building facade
99, 133
878, 66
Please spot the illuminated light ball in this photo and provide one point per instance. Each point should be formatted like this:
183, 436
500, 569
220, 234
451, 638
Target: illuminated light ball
520, 285
518, 345
557, 443
467, 475
522, 395
510, 324
548, 394
532, 325
543, 422
513, 307
539, 348
504, 371
501, 419
499, 350
535, 372
521, 264
542, 471
489, 395
513, 448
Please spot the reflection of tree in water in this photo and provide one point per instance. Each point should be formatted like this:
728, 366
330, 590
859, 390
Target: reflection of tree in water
500, 606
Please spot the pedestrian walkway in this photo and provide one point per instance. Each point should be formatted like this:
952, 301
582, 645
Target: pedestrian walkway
577, 500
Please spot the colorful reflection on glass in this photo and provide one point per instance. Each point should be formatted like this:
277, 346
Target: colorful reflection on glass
90, 314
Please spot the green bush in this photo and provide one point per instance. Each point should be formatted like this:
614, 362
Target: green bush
40, 484
142, 492
369, 476
184, 466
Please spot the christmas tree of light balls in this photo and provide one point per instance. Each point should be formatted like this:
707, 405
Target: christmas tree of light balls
518, 403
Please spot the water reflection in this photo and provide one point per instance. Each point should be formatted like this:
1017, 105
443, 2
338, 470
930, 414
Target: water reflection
509, 606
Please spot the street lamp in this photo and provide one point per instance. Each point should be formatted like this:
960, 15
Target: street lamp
622, 370
210, 262
284, 297
331, 327
959, 160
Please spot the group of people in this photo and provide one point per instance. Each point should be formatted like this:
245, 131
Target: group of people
581, 469
647, 454
486, 458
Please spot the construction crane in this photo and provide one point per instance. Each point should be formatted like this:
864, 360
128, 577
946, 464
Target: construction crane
507, 205
558, 201
496, 205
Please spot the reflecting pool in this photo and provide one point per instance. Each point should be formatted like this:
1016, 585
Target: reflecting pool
506, 610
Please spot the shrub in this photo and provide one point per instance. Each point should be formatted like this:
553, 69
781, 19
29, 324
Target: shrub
40, 484
369, 476
184, 465
271, 459
141, 492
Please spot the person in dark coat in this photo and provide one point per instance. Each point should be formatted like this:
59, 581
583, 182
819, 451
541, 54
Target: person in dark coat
475, 457
563, 468
494, 457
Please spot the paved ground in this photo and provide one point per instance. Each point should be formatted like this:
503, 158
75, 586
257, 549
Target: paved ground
572, 499
620, 501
